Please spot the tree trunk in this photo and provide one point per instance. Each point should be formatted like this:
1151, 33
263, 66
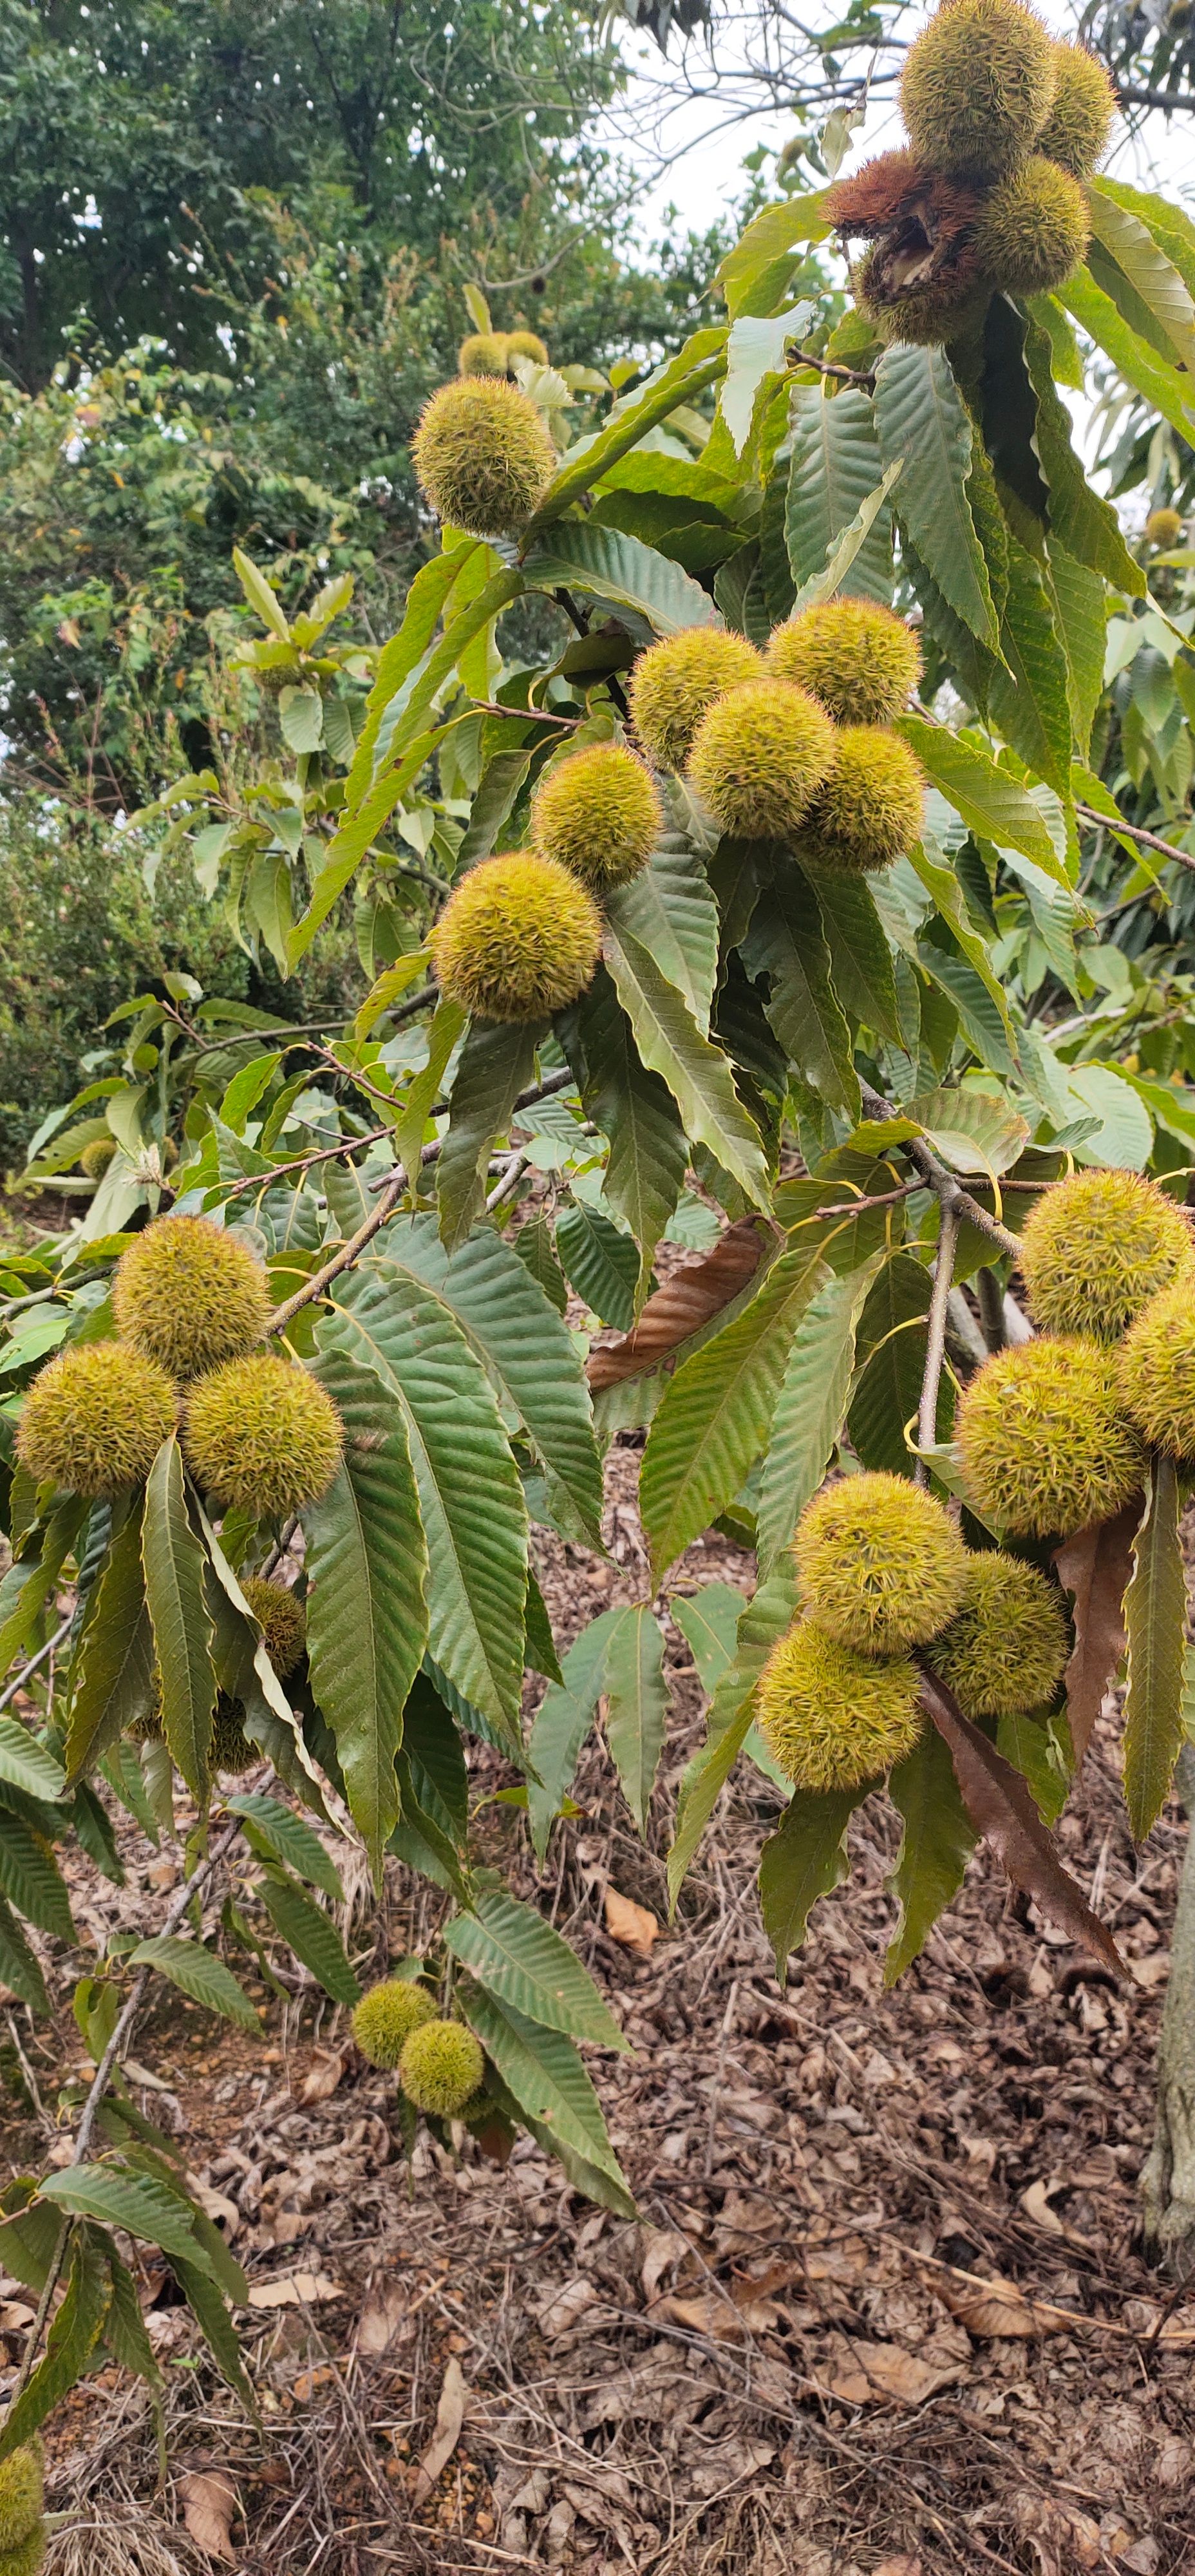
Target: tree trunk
1168, 2181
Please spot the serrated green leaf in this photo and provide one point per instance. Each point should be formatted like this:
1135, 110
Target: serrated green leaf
860, 958
26, 1764
835, 466
289, 1837
635, 1111
601, 1262
669, 910
124, 2326
678, 381
19, 1967
198, 1973
803, 1860
990, 802
786, 942
542, 2070
367, 1569
1079, 519
1030, 700
529, 1354
216, 2326
70, 2343
436, 1761
891, 1337
1153, 276
729, 1717
716, 1412
541, 1645
614, 567
807, 1416
562, 1722
311, 1934
537, 1252
174, 1559
27, 1585
1030, 1739
470, 1497
1154, 1609
697, 1073
708, 1621
496, 1063
936, 1844
972, 1131
134, 2201
1166, 389
115, 1681
636, 1704
921, 419
511, 1951
30, 1878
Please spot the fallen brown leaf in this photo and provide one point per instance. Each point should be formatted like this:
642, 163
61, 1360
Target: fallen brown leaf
1036, 2204
450, 2415
1001, 1807
692, 1297
870, 2374
294, 2290
662, 2246
383, 2318
901, 2565
209, 2501
309, 2380
995, 2309
566, 2306
322, 2077
634, 1925
1095, 1567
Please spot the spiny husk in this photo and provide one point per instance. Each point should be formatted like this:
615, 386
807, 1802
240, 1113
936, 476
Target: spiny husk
190, 1295
262, 1435
1033, 230
599, 813
385, 2018
518, 939
21, 2493
831, 1717
1044, 1444
921, 225
482, 354
230, 1748
29, 2556
674, 684
860, 661
1096, 1247
977, 86
282, 1619
94, 1420
441, 2067
95, 1158
880, 1564
760, 756
1157, 1371
1163, 528
1007, 1646
869, 810
1076, 131
483, 456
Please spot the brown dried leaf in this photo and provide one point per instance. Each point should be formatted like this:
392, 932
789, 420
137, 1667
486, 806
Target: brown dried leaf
383, 2319
634, 1925
1036, 2204
1096, 1567
294, 2290
450, 2415
566, 2306
662, 2246
209, 2501
871, 2374
996, 2309
724, 2319
322, 2077
692, 1297
1001, 1807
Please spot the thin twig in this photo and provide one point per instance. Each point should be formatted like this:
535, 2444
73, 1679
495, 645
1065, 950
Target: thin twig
1137, 832
864, 376
950, 1192
935, 1343
343, 1260
50, 1647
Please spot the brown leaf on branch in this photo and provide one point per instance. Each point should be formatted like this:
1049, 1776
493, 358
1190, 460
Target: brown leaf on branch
1001, 1807
209, 2502
1095, 1566
691, 1298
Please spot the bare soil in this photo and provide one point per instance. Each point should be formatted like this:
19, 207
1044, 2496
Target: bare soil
884, 2314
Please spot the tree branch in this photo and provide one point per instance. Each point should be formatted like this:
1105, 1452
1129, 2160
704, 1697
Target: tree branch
935, 1345
949, 1191
1136, 831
